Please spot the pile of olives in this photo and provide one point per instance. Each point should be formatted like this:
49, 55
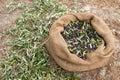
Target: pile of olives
81, 38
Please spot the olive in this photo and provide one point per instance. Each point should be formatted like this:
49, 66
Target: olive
94, 46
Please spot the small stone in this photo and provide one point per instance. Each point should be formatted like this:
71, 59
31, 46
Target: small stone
103, 72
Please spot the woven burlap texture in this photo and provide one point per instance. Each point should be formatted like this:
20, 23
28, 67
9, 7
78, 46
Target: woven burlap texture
58, 49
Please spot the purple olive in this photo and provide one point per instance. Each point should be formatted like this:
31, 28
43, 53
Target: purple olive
94, 46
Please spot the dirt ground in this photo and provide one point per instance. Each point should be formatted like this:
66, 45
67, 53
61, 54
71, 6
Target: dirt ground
7, 20
109, 10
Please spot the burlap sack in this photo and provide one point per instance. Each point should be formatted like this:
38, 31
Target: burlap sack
57, 46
